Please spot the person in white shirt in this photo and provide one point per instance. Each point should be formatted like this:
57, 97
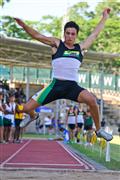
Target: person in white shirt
9, 119
71, 122
80, 123
48, 124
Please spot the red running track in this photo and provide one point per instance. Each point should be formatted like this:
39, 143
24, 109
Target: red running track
40, 154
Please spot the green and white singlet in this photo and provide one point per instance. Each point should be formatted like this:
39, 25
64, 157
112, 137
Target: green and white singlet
65, 64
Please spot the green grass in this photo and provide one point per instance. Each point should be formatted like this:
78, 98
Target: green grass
38, 136
92, 153
115, 152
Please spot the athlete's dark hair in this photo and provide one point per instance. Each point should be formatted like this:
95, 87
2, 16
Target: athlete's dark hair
71, 24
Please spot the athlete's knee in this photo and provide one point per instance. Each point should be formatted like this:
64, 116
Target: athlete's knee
92, 101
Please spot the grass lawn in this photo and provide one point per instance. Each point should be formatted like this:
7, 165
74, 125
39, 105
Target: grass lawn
38, 136
94, 153
114, 163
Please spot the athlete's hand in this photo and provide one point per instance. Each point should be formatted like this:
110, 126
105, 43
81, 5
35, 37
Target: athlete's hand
106, 12
19, 21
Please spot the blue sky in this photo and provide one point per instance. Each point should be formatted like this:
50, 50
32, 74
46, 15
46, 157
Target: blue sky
35, 9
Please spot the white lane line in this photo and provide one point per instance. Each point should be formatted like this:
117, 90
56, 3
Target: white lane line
86, 165
38, 164
13, 155
70, 153
91, 166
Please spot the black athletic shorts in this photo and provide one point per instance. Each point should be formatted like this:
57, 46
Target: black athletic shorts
80, 125
71, 126
58, 89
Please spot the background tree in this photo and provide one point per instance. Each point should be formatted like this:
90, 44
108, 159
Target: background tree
107, 41
11, 29
50, 25
2, 2
109, 38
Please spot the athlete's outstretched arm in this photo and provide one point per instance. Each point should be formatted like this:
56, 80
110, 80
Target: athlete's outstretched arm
36, 35
92, 37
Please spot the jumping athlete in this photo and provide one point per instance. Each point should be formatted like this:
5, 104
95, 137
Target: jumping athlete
67, 57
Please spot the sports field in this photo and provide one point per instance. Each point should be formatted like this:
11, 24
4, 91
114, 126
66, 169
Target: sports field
44, 159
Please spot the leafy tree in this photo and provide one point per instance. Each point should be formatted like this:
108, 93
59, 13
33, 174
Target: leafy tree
2, 2
11, 29
107, 41
50, 25
114, 5
109, 38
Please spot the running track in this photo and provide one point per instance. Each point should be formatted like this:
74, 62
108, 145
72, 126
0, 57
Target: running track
41, 154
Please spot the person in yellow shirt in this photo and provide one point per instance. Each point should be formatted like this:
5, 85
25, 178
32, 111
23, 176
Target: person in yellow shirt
18, 118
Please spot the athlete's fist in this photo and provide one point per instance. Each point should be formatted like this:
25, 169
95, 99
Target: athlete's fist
106, 12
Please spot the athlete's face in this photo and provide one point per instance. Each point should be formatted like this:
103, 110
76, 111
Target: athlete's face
70, 35
12, 98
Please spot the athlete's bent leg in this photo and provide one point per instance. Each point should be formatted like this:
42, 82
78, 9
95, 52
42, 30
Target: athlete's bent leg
29, 108
87, 98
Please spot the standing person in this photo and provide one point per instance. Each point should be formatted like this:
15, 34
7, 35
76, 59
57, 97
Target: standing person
80, 122
48, 124
9, 121
71, 121
67, 57
18, 119
88, 127
12, 105
1, 118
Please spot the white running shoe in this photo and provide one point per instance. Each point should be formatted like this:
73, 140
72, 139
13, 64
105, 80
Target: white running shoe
25, 122
103, 134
